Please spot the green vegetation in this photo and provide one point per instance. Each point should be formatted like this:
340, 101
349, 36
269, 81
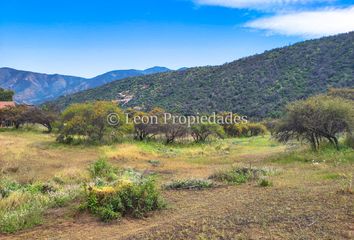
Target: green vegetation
326, 154
128, 193
23, 205
258, 86
315, 119
6, 95
200, 132
191, 184
264, 182
89, 122
239, 175
20, 115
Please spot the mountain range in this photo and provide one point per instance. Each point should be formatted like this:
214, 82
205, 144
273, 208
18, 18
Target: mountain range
258, 86
36, 88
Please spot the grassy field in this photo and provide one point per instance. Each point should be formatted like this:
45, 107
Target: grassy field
309, 196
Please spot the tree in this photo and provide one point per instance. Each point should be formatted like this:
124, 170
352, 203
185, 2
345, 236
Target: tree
317, 118
256, 129
6, 95
21, 114
200, 132
36, 115
146, 124
172, 131
13, 115
92, 121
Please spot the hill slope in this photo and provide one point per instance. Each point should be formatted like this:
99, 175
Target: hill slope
31, 87
257, 86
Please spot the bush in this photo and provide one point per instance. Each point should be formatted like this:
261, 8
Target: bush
23, 206
21, 210
189, 184
238, 175
256, 129
125, 197
237, 130
102, 169
200, 132
7, 186
265, 183
315, 119
91, 122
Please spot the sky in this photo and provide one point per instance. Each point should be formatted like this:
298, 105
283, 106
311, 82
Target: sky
88, 38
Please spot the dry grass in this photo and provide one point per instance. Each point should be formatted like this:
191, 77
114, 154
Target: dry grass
305, 201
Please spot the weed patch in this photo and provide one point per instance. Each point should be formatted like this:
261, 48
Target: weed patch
239, 175
196, 184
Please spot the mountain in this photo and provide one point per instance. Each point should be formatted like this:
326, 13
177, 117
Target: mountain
257, 86
120, 74
35, 88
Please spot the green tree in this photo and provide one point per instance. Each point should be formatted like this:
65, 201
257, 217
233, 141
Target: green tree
92, 121
317, 118
200, 132
6, 95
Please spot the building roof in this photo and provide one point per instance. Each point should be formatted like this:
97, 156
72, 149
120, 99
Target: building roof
7, 104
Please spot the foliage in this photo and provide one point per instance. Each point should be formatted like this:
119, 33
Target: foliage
6, 95
238, 175
200, 132
172, 131
245, 130
22, 114
124, 197
23, 205
317, 118
257, 86
197, 184
326, 154
256, 129
264, 182
90, 121
146, 124
102, 169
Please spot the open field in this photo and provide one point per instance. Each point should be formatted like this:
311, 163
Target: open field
305, 201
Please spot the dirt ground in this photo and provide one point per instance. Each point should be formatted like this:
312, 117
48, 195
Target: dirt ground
303, 203
234, 212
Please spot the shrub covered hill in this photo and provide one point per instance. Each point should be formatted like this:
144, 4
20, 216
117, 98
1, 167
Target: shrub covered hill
257, 86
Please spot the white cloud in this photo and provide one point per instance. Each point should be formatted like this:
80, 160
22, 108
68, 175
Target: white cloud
308, 23
255, 4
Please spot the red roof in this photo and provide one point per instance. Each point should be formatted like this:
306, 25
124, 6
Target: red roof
7, 104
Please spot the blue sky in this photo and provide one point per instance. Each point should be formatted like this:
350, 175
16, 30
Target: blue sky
87, 38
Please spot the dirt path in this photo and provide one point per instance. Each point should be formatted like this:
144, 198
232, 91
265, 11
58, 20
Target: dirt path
235, 212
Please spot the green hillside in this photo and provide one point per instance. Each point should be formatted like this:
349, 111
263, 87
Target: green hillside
257, 86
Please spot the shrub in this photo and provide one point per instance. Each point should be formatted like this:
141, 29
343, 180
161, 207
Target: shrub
21, 210
125, 197
102, 169
7, 186
265, 183
256, 129
23, 206
189, 184
237, 130
91, 122
238, 175
315, 119
200, 132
